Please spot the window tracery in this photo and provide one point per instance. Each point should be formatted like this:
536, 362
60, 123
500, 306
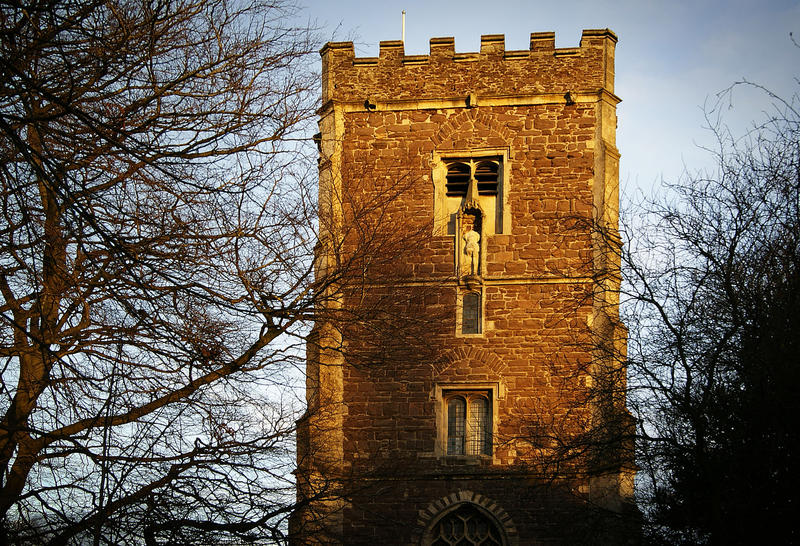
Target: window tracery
466, 526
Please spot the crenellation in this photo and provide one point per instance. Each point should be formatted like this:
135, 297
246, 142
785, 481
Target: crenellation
543, 42
443, 48
466, 57
440, 74
391, 51
493, 44
365, 61
416, 59
567, 52
597, 37
342, 48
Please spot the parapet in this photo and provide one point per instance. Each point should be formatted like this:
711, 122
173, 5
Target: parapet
491, 71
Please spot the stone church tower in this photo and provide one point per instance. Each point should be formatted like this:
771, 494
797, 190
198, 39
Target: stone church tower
506, 425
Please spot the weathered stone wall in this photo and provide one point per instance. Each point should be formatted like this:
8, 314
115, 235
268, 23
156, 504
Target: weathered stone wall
552, 175
552, 113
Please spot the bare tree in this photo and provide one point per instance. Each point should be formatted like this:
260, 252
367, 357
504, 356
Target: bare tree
157, 268
705, 351
713, 281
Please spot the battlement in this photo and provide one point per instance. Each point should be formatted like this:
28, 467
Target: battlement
491, 44
493, 70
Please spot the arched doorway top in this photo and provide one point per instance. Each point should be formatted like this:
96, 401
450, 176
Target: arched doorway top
465, 515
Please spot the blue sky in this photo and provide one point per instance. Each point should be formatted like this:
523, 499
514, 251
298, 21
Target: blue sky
672, 58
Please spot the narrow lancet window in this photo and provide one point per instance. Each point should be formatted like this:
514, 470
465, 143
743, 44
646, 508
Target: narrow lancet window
456, 425
478, 430
471, 313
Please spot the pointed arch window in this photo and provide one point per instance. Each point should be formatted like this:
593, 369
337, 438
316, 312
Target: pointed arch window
467, 526
458, 177
460, 173
486, 176
479, 176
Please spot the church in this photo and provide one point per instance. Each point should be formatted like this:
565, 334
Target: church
473, 200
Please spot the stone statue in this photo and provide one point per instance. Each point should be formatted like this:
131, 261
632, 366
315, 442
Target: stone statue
472, 245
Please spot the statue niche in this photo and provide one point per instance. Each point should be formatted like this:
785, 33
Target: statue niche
469, 248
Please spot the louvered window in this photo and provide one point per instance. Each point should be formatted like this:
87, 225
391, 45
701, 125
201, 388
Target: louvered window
483, 178
460, 173
458, 177
486, 174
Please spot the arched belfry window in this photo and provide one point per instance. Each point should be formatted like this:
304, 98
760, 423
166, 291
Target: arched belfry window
458, 177
486, 175
467, 525
469, 423
479, 177
461, 173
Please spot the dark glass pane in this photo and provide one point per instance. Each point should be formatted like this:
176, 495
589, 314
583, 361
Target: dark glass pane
471, 313
479, 428
456, 425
